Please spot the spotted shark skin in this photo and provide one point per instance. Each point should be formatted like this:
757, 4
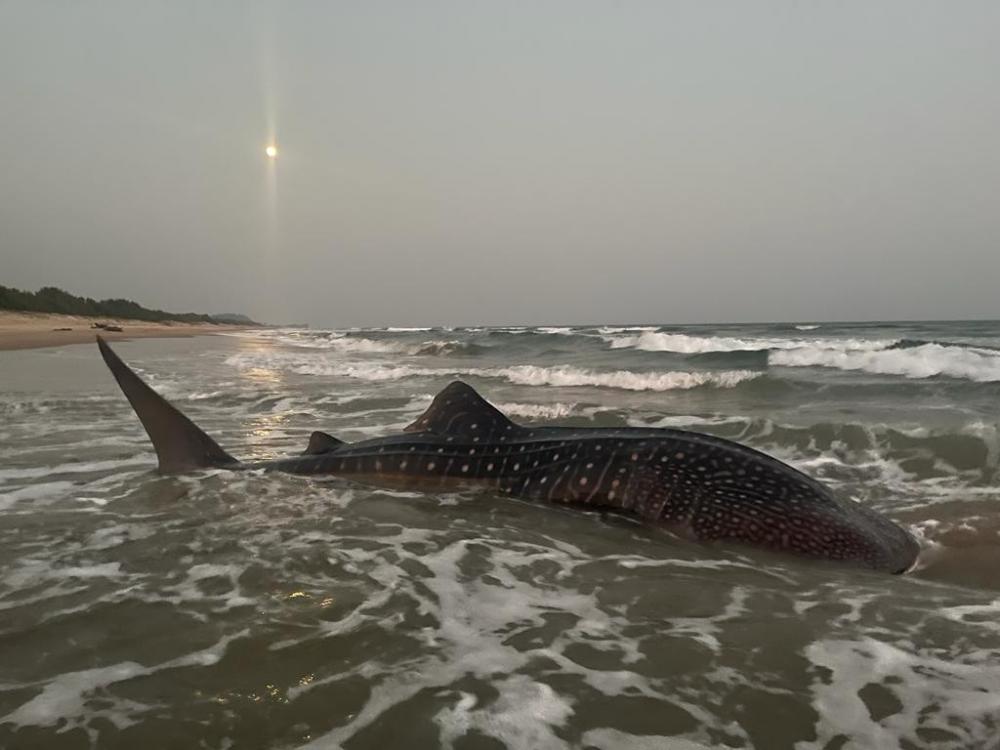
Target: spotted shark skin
702, 487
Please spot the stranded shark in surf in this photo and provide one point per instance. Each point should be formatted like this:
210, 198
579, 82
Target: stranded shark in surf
699, 486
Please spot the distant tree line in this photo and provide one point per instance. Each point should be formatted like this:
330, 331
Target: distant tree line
50, 299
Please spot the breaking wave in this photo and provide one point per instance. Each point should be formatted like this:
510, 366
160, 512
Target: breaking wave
558, 376
537, 411
910, 358
567, 376
923, 361
608, 330
345, 344
650, 341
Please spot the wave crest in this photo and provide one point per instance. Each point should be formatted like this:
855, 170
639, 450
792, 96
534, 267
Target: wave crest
537, 411
682, 343
346, 344
567, 376
560, 376
925, 361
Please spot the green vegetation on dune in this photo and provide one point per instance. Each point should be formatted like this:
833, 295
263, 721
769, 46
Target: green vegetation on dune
50, 299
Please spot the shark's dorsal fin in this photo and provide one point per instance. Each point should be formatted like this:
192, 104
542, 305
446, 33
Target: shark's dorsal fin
180, 444
458, 410
320, 442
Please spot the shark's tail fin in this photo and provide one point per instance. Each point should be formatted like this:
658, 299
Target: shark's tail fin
180, 444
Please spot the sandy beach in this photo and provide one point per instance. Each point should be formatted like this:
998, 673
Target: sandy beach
26, 330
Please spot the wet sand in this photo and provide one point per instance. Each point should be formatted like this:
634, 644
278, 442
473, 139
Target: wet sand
25, 330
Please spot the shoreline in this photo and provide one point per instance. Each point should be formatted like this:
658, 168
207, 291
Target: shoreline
30, 330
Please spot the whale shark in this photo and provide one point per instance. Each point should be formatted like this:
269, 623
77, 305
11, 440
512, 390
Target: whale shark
698, 486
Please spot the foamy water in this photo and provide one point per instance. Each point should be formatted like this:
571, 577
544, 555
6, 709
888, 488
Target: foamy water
925, 361
652, 341
226, 610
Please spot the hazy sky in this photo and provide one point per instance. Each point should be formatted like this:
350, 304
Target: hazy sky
506, 162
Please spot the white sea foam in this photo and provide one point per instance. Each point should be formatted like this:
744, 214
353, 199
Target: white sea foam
613, 739
370, 371
537, 411
471, 640
365, 346
684, 420
966, 691
978, 615
523, 715
807, 328
44, 490
31, 571
102, 570
558, 376
70, 467
64, 697
567, 376
868, 355
357, 345
925, 361
609, 330
650, 341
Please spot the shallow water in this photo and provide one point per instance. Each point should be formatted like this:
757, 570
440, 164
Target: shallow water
229, 610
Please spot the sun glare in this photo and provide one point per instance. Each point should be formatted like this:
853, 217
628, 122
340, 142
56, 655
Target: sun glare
271, 151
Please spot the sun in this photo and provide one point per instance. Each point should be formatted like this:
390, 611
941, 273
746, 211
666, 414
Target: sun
271, 151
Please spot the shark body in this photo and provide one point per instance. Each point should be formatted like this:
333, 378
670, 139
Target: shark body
699, 486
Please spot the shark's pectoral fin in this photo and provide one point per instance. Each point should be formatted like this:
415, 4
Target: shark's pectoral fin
320, 442
180, 444
459, 411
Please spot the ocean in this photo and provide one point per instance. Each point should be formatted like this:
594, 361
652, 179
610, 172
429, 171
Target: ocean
244, 610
